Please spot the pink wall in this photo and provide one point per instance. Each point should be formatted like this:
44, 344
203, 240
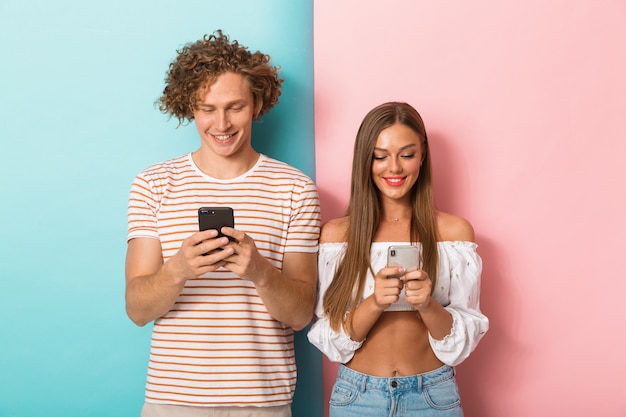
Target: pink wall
524, 103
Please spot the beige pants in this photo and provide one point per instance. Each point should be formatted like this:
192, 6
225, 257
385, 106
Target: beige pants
168, 410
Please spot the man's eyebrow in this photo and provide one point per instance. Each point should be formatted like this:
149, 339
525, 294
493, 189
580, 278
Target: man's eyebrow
229, 104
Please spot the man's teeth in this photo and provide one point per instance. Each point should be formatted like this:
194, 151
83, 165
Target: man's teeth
222, 137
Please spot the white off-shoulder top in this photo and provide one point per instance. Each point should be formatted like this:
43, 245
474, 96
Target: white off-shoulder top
457, 290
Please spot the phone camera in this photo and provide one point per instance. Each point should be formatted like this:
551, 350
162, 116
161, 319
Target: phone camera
393, 252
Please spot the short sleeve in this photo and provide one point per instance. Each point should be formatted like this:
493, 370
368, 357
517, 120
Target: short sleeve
142, 208
305, 222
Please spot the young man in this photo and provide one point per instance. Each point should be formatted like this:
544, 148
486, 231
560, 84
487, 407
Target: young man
224, 311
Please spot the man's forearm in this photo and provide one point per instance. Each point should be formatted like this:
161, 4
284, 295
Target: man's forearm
150, 297
289, 301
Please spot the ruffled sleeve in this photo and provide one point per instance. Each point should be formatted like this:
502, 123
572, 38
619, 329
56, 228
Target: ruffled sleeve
458, 290
337, 346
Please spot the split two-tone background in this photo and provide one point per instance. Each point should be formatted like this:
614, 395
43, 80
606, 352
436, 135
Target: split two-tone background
524, 105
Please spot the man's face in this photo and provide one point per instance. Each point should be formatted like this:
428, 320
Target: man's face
224, 115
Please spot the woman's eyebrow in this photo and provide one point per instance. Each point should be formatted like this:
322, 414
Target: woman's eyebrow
411, 145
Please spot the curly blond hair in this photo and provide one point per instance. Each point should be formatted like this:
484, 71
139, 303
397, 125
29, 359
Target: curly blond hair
198, 64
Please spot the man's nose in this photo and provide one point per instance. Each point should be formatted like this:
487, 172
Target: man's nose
223, 121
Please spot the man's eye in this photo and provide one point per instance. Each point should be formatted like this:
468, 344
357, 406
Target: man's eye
238, 108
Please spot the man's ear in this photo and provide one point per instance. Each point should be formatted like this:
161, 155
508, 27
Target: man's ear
257, 109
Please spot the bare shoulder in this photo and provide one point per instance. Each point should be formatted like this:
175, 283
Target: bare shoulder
452, 228
335, 230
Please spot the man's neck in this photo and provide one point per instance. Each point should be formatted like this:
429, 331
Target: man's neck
225, 168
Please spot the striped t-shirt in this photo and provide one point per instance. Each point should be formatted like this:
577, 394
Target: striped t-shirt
218, 346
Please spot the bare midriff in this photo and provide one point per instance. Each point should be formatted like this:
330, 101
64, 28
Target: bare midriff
397, 345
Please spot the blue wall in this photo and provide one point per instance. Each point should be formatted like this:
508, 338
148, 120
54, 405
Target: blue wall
78, 82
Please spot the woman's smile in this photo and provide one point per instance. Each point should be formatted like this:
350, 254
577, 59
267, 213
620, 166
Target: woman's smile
394, 181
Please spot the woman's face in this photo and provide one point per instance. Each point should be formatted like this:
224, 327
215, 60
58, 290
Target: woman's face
398, 156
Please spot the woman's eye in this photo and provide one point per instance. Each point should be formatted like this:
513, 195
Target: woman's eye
378, 157
408, 155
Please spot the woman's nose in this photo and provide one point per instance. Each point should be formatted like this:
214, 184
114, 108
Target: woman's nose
394, 165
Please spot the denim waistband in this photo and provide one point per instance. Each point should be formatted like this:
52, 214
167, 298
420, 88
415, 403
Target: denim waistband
402, 383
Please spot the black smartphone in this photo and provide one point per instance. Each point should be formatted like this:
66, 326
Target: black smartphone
216, 218
408, 257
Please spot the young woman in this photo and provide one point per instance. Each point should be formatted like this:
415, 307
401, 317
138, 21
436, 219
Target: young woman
397, 333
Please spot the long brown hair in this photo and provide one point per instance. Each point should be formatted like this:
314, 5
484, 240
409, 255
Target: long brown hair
364, 211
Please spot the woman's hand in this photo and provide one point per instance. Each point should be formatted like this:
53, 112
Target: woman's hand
418, 287
387, 286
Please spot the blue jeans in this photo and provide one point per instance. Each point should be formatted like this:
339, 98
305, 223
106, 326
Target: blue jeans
431, 394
